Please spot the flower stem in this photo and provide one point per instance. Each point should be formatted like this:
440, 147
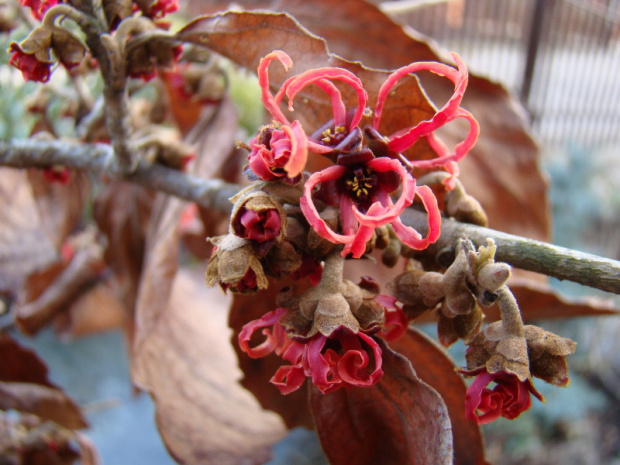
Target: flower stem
332, 276
510, 313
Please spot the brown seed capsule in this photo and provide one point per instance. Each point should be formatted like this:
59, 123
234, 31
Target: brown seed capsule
235, 266
548, 355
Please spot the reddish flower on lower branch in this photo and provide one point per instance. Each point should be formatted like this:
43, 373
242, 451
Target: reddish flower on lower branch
344, 359
508, 398
32, 69
361, 185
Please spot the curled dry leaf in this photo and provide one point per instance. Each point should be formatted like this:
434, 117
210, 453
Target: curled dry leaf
186, 363
24, 246
437, 369
55, 290
401, 420
122, 212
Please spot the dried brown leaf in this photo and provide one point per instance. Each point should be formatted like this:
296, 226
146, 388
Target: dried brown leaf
61, 206
539, 301
401, 420
19, 364
187, 364
436, 368
122, 211
45, 402
245, 37
182, 357
24, 247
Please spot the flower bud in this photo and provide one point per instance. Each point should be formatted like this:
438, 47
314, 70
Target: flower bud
463, 207
283, 257
416, 298
258, 217
164, 146
450, 329
67, 47
277, 152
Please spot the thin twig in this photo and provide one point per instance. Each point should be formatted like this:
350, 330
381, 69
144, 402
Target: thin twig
528, 254
551, 260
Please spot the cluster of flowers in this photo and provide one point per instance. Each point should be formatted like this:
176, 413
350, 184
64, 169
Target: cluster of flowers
330, 333
50, 44
367, 165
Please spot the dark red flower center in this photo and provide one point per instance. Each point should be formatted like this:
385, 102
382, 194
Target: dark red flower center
360, 182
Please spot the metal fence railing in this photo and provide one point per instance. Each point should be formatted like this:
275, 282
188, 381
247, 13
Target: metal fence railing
561, 57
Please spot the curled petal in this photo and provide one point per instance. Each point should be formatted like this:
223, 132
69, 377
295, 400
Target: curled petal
396, 322
271, 343
288, 378
461, 149
309, 209
320, 76
272, 104
509, 398
299, 149
473, 400
410, 236
404, 139
353, 364
318, 367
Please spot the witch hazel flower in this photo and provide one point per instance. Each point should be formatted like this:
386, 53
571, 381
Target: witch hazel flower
328, 334
509, 397
344, 359
365, 176
46, 45
508, 353
280, 150
361, 185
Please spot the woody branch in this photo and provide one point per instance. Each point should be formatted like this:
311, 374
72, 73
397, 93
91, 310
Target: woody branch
528, 254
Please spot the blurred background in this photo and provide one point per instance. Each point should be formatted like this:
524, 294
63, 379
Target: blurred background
561, 59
